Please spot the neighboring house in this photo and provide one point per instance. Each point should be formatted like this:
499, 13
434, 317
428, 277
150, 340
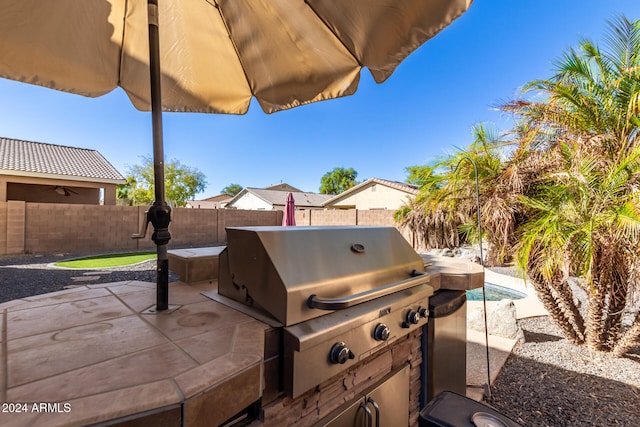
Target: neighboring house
270, 199
48, 173
216, 202
373, 193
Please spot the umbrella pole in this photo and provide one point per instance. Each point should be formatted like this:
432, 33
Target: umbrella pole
159, 213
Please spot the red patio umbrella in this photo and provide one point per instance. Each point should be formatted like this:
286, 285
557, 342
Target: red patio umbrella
289, 217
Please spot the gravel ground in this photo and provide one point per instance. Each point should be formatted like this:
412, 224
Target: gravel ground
545, 382
549, 382
28, 275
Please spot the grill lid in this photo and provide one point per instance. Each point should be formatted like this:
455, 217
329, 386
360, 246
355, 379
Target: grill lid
297, 273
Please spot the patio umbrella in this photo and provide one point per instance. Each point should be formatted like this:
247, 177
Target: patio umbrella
216, 55
289, 217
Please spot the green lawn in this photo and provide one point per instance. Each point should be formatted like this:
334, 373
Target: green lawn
108, 260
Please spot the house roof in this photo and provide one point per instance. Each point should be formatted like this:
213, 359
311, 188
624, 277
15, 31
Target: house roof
28, 158
279, 198
218, 198
283, 186
410, 189
215, 202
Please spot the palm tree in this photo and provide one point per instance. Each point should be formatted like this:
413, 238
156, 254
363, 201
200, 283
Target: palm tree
444, 214
561, 191
583, 205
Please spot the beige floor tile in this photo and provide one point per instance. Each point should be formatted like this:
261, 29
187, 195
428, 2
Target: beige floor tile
243, 338
209, 345
33, 321
13, 304
115, 404
499, 351
181, 293
137, 298
129, 283
194, 319
20, 419
69, 295
208, 375
218, 404
152, 364
249, 338
41, 356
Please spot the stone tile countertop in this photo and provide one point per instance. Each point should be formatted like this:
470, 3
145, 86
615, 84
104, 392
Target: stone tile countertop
91, 355
453, 274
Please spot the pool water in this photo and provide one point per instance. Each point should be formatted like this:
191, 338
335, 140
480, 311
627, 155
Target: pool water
494, 293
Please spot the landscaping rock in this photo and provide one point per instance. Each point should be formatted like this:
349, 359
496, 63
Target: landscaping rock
501, 319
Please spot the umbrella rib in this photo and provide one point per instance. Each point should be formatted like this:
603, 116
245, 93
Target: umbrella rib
356, 59
246, 77
121, 47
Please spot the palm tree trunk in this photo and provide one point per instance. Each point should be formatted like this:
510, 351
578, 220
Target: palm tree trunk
613, 322
557, 313
569, 307
630, 339
595, 323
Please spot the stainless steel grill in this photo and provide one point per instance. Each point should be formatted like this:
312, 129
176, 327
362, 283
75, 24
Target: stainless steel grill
339, 293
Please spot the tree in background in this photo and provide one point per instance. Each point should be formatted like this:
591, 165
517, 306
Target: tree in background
124, 191
182, 183
338, 180
232, 189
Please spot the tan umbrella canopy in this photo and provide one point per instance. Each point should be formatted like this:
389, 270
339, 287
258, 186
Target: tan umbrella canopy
215, 55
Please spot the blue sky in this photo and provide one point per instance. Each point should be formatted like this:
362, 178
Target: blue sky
425, 109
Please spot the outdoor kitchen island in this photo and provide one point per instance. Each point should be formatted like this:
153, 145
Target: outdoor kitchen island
93, 355
90, 355
348, 307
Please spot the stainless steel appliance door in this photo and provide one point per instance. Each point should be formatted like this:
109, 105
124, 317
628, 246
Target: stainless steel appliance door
385, 405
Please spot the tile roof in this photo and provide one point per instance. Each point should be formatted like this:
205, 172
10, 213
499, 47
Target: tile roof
279, 198
40, 158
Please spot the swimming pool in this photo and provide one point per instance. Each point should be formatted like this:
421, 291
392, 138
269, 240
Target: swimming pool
494, 293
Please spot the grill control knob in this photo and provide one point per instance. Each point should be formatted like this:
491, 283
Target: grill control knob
423, 312
413, 317
381, 332
340, 353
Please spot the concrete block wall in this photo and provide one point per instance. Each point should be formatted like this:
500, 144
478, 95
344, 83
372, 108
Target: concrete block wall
15, 223
51, 228
42, 228
376, 217
242, 218
3, 227
334, 217
194, 227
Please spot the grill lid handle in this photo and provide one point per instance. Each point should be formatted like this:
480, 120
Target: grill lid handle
315, 301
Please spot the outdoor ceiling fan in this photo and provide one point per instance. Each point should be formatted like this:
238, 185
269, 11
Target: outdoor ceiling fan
63, 191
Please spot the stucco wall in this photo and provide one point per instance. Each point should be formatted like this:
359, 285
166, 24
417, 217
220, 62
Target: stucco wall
251, 201
374, 196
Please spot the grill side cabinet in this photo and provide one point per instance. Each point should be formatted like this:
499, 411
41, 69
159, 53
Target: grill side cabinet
386, 404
